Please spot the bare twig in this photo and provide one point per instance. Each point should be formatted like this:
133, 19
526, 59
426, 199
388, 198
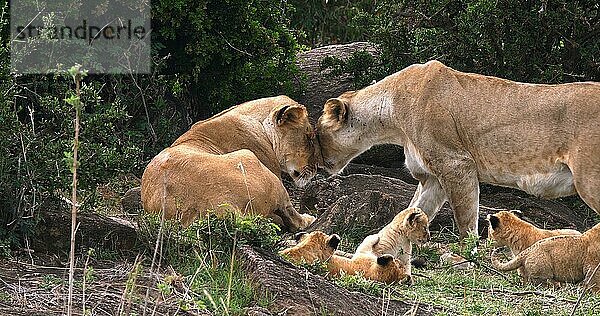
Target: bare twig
585, 287
77, 75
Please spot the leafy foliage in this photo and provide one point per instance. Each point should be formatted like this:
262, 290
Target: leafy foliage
530, 41
323, 22
226, 52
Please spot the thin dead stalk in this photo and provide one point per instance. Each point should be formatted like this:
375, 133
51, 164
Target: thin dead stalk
158, 244
585, 287
76, 102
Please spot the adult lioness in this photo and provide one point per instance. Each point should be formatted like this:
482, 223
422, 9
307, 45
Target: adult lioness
459, 129
236, 158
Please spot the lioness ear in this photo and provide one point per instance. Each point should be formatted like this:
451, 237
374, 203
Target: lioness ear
289, 114
385, 259
299, 235
494, 221
333, 241
335, 111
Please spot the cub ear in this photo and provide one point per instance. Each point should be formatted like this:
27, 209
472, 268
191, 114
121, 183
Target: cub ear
335, 112
299, 235
289, 114
517, 213
413, 216
494, 221
333, 241
384, 260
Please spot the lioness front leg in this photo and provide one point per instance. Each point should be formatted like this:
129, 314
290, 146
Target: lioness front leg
293, 220
429, 196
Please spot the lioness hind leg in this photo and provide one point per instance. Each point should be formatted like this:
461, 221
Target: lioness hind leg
587, 184
462, 187
585, 166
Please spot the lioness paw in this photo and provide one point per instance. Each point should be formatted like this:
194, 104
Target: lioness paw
307, 220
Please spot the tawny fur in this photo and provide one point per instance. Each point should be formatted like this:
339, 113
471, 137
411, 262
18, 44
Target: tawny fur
559, 259
507, 229
365, 264
312, 247
459, 129
235, 158
316, 246
396, 238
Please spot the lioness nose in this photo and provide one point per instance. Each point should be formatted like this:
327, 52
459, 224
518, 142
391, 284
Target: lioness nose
295, 173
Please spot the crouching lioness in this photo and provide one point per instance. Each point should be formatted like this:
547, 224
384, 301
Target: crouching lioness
459, 129
235, 158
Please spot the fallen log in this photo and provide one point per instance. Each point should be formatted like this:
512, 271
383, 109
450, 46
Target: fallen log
300, 292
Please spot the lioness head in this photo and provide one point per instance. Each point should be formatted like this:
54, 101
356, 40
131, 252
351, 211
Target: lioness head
502, 226
293, 142
341, 136
416, 225
311, 247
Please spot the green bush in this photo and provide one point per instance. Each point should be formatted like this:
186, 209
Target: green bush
226, 52
328, 22
530, 41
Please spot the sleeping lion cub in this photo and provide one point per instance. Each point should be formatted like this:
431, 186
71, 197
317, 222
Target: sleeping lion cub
410, 225
507, 229
312, 247
560, 259
235, 157
318, 246
384, 268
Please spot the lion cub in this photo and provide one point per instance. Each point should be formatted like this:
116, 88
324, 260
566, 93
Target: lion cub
396, 238
560, 259
311, 247
507, 229
317, 246
384, 268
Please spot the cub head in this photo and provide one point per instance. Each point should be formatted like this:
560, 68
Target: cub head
502, 226
341, 135
387, 269
293, 141
311, 247
415, 224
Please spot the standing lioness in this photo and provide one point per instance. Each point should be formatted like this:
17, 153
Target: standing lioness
459, 129
236, 158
